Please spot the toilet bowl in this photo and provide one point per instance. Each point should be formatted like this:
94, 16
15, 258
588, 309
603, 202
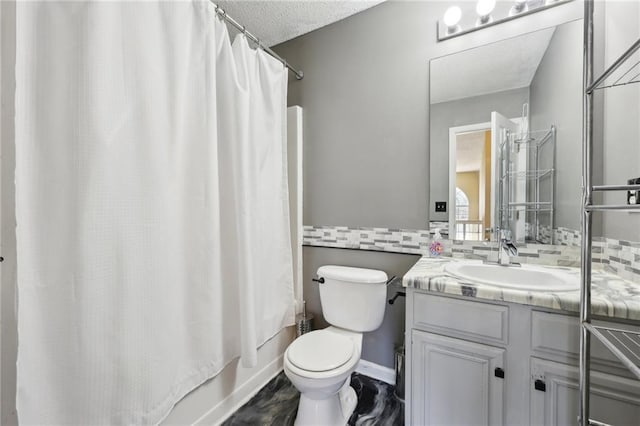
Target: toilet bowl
320, 363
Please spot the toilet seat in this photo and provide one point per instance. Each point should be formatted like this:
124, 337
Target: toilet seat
320, 351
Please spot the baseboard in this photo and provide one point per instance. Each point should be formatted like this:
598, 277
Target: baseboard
225, 408
377, 371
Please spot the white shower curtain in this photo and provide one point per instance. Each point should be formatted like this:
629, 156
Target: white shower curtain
152, 207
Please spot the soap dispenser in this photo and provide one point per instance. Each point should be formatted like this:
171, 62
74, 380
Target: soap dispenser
436, 248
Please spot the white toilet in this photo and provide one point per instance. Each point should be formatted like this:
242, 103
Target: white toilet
320, 363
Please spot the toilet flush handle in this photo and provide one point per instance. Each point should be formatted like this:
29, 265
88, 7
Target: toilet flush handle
318, 280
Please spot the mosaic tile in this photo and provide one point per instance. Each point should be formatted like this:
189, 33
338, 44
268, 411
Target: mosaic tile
622, 257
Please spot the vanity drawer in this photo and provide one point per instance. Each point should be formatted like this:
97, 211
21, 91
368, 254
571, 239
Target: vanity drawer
559, 335
478, 321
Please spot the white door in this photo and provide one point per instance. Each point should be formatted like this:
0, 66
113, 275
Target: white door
554, 398
501, 128
455, 382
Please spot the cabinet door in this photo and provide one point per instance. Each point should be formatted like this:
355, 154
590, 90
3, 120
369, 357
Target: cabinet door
454, 382
614, 400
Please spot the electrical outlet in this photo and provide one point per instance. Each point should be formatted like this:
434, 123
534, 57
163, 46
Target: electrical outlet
441, 206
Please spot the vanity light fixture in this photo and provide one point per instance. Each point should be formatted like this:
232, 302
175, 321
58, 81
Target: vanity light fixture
460, 20
484, 9
451, 19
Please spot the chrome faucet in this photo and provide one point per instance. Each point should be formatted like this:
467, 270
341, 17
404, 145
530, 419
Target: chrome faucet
506, 250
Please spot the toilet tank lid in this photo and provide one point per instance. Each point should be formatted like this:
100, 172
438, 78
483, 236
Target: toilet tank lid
350, 274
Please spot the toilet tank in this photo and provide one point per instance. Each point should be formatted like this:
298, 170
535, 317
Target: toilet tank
353, 298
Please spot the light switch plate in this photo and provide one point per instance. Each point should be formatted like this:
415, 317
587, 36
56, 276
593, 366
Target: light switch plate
441, 206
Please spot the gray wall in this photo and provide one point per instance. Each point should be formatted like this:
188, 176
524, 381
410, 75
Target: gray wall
378, 345
621, 152
365, 96
8, 330
462, 112
556, 98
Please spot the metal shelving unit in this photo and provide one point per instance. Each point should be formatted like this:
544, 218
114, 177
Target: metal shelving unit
625, 70
537, 202
624, 344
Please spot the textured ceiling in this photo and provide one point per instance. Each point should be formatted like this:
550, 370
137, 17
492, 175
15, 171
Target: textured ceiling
504, 65
274, 22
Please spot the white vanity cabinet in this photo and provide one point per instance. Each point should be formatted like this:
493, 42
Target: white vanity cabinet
614, 400
473, 362
458, 381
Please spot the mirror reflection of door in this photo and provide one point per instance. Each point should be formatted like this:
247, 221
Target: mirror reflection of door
511, 204
472, 206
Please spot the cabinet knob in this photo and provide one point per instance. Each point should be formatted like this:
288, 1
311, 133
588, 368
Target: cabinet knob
499, 372
540, 385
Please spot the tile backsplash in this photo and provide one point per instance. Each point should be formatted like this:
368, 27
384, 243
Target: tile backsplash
566, 237
364, 238
617, 256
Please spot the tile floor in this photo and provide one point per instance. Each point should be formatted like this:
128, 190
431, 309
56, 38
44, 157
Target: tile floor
277, 403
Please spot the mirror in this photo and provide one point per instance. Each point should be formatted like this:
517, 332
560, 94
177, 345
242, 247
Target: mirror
505, 134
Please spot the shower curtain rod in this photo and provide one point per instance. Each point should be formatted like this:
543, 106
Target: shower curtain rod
221, 13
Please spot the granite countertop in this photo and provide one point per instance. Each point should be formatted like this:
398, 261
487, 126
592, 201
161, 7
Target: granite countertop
611, 296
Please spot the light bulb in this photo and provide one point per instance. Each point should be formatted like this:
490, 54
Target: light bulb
485, 7
519, 7
452, 16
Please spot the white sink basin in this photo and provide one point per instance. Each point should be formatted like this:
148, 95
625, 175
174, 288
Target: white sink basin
525, 277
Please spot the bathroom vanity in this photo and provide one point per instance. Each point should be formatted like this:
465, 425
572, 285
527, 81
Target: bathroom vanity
493, 355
